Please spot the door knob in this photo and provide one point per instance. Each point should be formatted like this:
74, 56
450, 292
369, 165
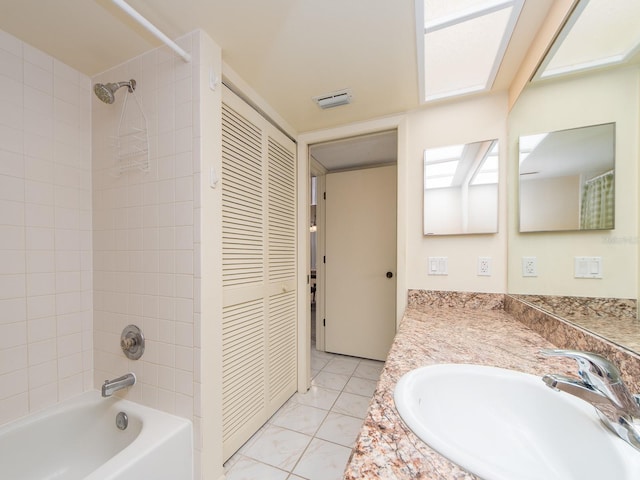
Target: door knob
389, 275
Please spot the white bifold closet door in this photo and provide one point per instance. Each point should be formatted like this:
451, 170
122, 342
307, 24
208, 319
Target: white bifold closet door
259, 264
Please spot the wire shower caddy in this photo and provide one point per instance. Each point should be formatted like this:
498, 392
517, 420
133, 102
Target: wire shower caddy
131, 142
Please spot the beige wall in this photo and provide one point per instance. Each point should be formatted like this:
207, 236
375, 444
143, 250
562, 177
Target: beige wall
468, 120
609, 96
45, 230
549, 204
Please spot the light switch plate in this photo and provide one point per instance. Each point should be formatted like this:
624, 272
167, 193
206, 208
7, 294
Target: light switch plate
587, 267
438, 266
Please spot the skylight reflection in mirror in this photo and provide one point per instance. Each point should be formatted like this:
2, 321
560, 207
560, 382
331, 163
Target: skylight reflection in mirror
599, 33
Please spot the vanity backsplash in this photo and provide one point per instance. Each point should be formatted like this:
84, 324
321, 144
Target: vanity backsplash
561, 320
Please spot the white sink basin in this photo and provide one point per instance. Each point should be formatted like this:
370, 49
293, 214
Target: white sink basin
503, 425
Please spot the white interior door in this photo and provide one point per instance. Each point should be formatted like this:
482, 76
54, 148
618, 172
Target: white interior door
360, 262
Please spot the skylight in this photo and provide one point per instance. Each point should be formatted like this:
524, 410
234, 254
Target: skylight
599, 33
461, 44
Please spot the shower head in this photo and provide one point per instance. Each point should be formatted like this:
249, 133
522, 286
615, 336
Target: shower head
106, 92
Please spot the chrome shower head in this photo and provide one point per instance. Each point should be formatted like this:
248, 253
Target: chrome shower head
107, 92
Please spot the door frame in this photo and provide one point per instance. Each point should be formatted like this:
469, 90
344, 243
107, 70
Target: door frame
305, 140
318, 171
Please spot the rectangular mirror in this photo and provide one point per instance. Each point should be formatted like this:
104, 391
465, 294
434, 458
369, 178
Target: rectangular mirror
461, 189
567, 179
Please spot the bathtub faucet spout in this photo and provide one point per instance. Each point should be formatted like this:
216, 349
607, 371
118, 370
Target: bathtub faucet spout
109, 387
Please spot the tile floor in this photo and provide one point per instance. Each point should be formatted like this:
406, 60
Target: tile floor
312, 435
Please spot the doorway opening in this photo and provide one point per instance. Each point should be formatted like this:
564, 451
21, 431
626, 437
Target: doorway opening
354, 159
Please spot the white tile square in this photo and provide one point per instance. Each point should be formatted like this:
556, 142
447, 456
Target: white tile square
13, 310
12, 262
318, 397
41, 352
300, 418
13, 334
342, 365
323, 461
12, 287
12, 237
370, 369
333, 381
41, 284
12, 359
10, 43
40, 238
11, 65
245, 468
14, 407
43, 374
278, 447
38, 78
41, 306
39, 216
340, 429
11, 213
352, 404
361, 386
12, 164
11, 188
42, 397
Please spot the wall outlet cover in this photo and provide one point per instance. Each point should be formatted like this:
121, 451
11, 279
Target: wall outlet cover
484, 266
529, 267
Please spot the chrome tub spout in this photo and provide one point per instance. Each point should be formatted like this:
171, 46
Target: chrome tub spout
109, 387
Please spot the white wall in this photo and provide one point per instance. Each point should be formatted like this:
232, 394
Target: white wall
468, 120
609, 96
45, 230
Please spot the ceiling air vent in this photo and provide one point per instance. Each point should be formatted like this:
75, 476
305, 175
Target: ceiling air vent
333, 99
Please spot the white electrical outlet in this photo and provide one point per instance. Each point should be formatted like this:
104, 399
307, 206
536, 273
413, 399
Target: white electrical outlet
484, 266
529, 267
437, 266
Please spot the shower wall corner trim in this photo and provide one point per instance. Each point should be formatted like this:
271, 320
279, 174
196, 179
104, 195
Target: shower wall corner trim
152, 28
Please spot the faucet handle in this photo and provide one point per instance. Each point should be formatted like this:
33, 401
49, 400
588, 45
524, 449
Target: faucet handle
594, 369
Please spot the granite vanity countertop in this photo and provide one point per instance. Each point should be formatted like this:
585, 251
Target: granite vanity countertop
386, 448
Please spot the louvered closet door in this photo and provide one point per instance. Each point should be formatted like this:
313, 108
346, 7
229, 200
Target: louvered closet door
259, 264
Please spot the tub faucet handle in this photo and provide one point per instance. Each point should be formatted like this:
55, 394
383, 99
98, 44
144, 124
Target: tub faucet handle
132, 342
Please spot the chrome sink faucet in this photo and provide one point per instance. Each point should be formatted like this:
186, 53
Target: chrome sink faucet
109, 387
601, 385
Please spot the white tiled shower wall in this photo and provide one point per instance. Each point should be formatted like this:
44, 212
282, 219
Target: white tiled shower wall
85, 251
146, 232
45, 230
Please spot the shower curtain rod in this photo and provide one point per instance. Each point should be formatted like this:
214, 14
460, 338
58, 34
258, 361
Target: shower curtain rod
153, 29
599, 176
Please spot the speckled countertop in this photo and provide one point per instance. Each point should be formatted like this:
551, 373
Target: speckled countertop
386, 448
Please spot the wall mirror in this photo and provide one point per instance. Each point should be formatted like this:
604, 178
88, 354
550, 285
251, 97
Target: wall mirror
567, 179
461, 189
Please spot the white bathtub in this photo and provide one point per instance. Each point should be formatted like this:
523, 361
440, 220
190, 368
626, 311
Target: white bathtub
78, 439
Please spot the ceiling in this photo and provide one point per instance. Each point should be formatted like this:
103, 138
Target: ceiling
288, 51
355, 152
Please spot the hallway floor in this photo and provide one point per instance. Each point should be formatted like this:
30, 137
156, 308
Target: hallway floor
312, 435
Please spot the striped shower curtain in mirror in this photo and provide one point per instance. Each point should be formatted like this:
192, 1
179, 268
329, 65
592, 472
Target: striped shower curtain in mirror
597, 209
